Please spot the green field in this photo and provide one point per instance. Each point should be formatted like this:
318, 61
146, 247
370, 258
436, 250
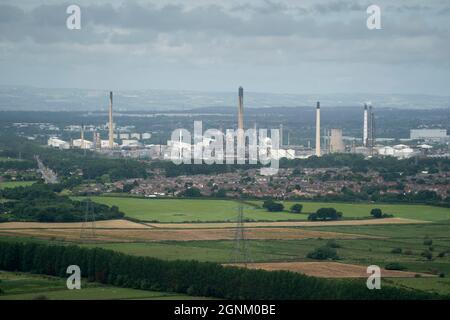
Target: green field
191, 210
196, 210
435, 285
13, 184
8, 159
24, 286
361, 210
364, 251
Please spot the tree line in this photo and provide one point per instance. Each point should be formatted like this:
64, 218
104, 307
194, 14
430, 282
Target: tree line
357, 163
69, 163
190, 277
40, 203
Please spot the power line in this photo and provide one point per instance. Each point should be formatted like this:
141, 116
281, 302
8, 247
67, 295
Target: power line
88, 226
240, 253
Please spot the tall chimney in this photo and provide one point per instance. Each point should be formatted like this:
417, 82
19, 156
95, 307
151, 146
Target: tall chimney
82, 145
241, 109
281, 135
318, 129
241, 116
366, 123
371, 135
111, 124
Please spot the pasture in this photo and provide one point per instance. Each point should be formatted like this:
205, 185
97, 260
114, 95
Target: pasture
191, 210
24, 286
360, 242
14, 184
4, 159
362, 210
199, 210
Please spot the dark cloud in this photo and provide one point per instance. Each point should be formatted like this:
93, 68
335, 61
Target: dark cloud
46, 23
260, 36
10, 14
339, 7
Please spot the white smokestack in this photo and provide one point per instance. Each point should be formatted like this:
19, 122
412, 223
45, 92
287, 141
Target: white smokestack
240, 135
318, 129
366, 123
111, 124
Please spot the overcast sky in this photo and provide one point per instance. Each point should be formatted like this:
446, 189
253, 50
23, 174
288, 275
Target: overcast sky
280, 46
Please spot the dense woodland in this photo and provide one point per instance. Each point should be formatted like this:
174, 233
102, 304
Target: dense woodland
191, 277
41, 203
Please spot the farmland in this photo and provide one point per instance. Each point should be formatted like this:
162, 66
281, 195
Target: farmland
14, 184
190, 210
358, 244
195, 210
362, 210
279, 240
23, 286
4, 159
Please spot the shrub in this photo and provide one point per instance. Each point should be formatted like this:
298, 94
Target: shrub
376, 213
333, 244
427, 242
394, 266
323, 253
396, 250
273, 206
442, 254
191, 192
297, 208
408, 252
324, 214
441, 275
427, 254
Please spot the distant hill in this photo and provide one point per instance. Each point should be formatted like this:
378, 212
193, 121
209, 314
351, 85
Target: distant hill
37, 99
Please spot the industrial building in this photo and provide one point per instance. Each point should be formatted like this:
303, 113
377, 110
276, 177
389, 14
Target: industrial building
58, 143
336, 141
428, 134
82, 144
399, 151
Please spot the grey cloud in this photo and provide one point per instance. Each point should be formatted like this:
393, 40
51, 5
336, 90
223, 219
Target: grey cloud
241, 39
10, 14
339, 6
46, 23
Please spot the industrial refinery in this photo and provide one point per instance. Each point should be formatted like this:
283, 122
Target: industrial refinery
123, 142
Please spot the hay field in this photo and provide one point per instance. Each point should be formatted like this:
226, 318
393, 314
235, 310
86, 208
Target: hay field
329, 269
363, 222
134, 233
